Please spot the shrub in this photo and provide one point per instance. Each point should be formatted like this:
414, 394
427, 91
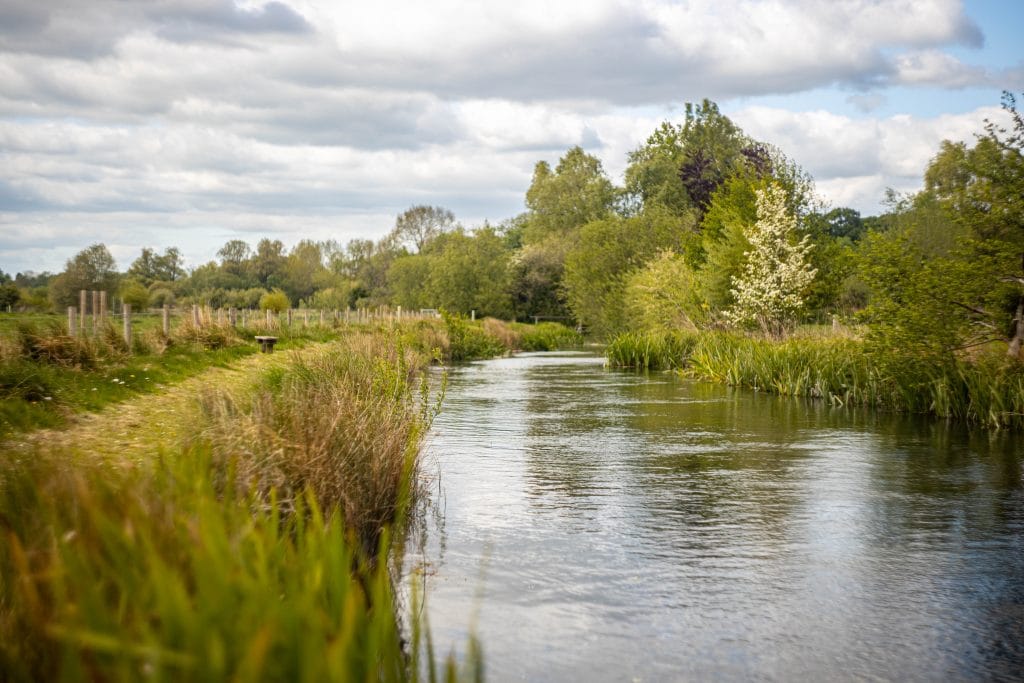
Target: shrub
276, 301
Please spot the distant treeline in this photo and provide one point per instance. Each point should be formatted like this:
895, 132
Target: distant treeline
711, 229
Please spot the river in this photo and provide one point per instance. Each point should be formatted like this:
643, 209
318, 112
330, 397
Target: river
598, 525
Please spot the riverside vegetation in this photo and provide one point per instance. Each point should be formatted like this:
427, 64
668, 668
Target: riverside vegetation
258, 539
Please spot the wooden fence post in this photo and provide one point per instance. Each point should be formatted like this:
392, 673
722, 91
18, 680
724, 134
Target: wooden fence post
95, 312
167, 320
195, 315
269, 313
128, 326
103, 306
82, 304
245, 317
72, 319
289, 316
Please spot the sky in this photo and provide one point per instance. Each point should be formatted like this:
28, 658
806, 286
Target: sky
188, 123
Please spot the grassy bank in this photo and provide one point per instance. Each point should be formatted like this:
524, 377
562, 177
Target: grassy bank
985, 389
47, 376
261, 549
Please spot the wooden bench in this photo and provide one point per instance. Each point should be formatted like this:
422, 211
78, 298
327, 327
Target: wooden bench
266, 343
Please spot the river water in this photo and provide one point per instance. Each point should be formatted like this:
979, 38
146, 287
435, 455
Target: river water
597, 525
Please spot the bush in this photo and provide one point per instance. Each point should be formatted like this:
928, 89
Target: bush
547, 336
467, 341
276, 301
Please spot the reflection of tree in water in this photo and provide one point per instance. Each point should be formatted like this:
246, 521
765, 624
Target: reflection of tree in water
942, 477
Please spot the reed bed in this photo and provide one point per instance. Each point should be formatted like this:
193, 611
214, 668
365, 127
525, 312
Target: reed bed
342, 423
260, 551
986, 390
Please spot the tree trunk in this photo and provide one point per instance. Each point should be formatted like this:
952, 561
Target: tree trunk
1018, 327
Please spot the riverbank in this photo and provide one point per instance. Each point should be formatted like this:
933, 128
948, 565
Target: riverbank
985, 388
243, 522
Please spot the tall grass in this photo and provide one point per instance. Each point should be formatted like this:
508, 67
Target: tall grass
248, 555
986, 390
650, 350
341, 422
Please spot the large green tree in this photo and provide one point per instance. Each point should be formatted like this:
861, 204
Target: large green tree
598, 266
949, 273
93, 268
680, 166
563, 200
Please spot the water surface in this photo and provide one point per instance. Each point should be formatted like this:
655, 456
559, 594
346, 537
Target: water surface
603, 525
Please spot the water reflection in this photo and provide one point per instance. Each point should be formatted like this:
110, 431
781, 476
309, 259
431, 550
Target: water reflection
656, 529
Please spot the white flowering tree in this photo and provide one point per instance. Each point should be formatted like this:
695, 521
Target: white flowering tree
770, 291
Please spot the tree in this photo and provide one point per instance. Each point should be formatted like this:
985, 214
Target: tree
536, 273
960, 248
574, 194
418, 225
151, 267
607, 251
93, 268
9, 295
681, 165
135, 294
770, 290
268, 263
234, 257
470, 272
665, 295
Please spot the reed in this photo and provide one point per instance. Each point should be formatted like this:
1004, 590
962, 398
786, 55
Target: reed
650, 350
986, 389
341, 422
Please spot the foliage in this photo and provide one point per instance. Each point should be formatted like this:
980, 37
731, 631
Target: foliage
93, 268
9, 295
546, 336
135, 294
574, 194
276, 301
468, 341
650, 349
665, 295
341, 424
987, 390
151, 267
418, 225
469, 272
680, 166
598, 266
536, 274
770, 290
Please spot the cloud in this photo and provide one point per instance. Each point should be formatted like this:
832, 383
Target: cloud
92, 30
189, 122
854, 160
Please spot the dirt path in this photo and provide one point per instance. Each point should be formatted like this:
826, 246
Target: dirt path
134, 430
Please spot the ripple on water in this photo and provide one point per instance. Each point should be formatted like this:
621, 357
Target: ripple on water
611, 526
